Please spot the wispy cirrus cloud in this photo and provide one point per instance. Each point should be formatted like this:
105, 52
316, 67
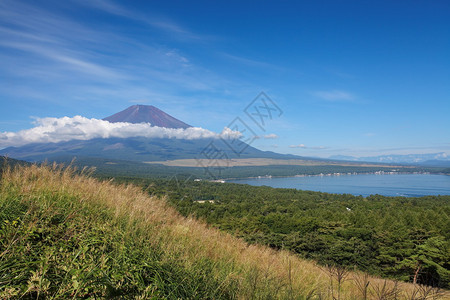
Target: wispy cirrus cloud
334, 96
69, 61
159, 22
43, 46
50, 44
250, 62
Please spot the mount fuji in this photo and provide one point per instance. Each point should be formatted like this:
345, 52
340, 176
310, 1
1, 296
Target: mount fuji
147, 114
135, 148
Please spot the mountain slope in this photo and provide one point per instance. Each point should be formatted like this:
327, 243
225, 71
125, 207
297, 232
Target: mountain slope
136, 148
69, 236
133, 149
146, 114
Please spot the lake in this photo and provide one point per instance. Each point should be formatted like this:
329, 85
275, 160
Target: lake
408, 185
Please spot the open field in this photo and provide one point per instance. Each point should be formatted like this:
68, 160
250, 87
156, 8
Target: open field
249, 162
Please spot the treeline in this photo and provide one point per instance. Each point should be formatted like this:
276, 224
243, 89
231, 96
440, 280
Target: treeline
394, 237
4, 161
115, 168
134, 170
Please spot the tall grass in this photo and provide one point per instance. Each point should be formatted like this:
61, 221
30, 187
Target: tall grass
64, 234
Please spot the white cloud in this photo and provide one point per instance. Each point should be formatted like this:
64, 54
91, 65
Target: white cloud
297, 146
442, 155
302, 146
53, 130
271, 136
334, 95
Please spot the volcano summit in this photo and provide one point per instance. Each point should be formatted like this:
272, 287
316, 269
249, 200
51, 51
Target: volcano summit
147, 114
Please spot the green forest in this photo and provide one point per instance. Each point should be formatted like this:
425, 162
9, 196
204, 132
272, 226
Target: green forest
394, 237
132, 169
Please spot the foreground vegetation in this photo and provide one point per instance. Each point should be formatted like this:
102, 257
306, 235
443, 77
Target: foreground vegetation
65, 235
406, 239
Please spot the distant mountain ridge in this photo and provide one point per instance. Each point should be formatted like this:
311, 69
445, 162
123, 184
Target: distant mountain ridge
440, 158
146, 114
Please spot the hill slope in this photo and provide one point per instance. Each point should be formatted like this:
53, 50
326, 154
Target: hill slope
65, 235
133, 149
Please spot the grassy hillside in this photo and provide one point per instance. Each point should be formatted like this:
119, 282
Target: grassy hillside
64, 235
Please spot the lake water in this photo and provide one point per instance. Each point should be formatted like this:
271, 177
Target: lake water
409, 185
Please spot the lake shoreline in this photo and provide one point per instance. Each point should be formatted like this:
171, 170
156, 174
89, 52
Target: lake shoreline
330, 174
400, 184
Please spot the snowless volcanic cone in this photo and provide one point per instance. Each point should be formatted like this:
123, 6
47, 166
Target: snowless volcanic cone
147, 114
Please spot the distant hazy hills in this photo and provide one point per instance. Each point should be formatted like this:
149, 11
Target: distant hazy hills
430, 159
137, 148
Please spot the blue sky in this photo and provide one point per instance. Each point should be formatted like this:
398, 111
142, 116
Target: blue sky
351, 77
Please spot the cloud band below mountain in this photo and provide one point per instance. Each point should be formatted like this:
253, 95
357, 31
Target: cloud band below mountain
54, 130
302, 146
